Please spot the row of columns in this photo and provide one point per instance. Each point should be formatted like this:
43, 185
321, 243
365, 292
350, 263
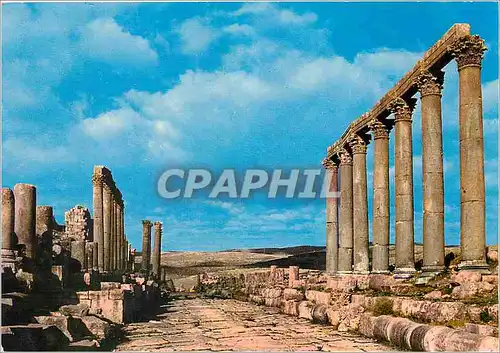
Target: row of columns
151, 261
109, 227
347, 224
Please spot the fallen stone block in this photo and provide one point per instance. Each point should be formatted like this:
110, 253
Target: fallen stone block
318, 297
492, 279
319, 313
98, 327
23, 338
435, 294
292, 294
83, 345
110, 285
77, 310
304, 309
333, 317
471, 289
71, 327
465, 276
291, 307
55, 339
483, 330
366, 324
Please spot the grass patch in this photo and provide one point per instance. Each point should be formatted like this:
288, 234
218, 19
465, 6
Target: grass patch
383, 306
485, 316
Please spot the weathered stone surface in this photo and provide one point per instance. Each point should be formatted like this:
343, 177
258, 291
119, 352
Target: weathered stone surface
466, 276
492, 279
318, 297
98, 327
435, 294
483, 330
77, 310
292, 294
471, 289
110, 285
291, 307
72, 328
492, 255
305, 309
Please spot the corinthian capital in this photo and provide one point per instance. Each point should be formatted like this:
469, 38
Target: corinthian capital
345, 157
147, 223
379, 129
97, 179
357, 144
428, 83
468, 51
328, 164
402, 109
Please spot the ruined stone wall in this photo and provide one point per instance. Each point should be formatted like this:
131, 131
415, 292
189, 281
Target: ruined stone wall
376, 306
78, 224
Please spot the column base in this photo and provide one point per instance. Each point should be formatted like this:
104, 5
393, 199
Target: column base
357, 272
380, 272
474, 265
404, 273
344, 273
428, 274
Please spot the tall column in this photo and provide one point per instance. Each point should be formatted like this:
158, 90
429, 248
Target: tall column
8, 221
95, 256
89, 255
107, 203
97, 191
381, 197
25, 218
332, 224
360, 205
113, 233
124, 239
405, 263
157, 250
44, 226
345, 215
468, 52
146, 246
429, 86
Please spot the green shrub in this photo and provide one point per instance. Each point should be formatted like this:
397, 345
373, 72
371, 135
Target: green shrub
485, 316
383, 306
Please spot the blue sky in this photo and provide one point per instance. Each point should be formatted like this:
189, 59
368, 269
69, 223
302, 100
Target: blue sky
145, 87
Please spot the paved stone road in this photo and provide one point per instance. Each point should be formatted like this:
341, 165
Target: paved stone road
230, 325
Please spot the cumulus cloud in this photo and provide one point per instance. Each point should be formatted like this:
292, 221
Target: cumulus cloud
271, 12
104, 39
196, 35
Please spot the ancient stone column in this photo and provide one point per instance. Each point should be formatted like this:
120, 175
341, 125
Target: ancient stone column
8, 221
95, 256
381, 197
89, 254
403, 162
119, 236
97, 191
157, 250
429, 86
113, 234
332, 224
345, 214
146, 246
468, 52
293, 275
360, 205
107, 205
77, 250
25, 218
44, 226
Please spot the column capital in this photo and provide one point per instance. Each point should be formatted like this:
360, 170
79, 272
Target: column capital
430, 84
402, 109
146, 223
329, 164
468, 51
379, 129
345, 157
97, 179
158, 224
357, 144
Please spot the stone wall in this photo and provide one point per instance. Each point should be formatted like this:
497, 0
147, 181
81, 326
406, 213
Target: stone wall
78, 223
376, 306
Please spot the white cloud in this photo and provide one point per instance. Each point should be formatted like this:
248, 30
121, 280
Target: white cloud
196, 35
273, 13
26, 152
237, 29
103, 39
490, 96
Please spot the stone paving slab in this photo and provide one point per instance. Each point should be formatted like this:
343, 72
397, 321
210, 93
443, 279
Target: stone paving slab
230, 325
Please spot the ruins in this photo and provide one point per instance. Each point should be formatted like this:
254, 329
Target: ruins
347, 218
81, 285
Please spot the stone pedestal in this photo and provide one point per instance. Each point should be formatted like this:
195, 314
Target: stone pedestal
332, 224
25, 218
381, 197
405, 263
468, 52
432, 168
345, 215
8, 236
360, 206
